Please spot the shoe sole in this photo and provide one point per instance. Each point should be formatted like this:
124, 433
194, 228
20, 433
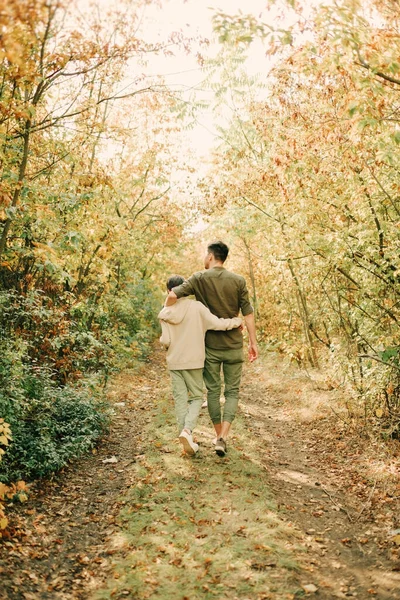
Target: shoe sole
220, 451
186, 446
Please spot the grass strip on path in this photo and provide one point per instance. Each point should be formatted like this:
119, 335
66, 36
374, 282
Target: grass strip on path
203, 527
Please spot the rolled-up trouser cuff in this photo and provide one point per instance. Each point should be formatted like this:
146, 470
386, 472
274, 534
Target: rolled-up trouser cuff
230, 362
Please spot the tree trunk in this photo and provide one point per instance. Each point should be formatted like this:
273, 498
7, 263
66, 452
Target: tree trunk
252, 278
18, 187
305, 316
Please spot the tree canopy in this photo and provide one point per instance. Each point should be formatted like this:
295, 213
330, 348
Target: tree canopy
303, 185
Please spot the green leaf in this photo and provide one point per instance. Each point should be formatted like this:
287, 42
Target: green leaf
352, 108
389, 353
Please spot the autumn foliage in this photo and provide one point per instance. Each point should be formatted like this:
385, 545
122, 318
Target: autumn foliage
83, 221
6, 491
306, 186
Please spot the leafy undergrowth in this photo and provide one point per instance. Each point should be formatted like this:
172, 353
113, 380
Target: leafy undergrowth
291, 512
203, 527
354, 453
337, 482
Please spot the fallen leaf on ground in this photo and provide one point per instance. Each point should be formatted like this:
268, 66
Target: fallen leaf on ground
113, 459
396, 539
310, 588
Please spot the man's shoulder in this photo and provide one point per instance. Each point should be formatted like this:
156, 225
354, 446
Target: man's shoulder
233, 275
198, 274
217, 273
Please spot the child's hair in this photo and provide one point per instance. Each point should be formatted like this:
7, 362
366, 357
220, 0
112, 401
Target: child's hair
174, 281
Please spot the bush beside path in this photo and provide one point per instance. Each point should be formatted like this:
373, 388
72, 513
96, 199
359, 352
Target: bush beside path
288, 513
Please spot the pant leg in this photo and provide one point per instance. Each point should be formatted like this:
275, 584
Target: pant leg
212, 380
194, 384
181, 396
187, 390
232, 368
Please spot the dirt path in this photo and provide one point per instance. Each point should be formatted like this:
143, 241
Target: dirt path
313, 475
283, 516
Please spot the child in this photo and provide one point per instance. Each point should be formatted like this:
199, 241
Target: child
184, 326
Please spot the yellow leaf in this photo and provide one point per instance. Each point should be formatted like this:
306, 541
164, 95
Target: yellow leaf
5, 430
22, 497
3, 490
396, 539
3, 523
379, 413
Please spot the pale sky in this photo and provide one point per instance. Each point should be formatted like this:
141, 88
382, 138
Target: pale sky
193, 19
182, 72
195, 15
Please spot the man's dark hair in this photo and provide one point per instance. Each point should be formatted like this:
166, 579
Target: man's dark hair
219, 250
174, 281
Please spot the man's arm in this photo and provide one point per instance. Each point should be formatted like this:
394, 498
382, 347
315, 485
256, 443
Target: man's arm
251, 330
185, 289
248, 315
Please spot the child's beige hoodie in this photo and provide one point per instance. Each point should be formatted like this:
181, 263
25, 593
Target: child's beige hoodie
184, 326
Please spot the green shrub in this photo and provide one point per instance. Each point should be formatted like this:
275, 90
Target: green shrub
51, 349
50, 424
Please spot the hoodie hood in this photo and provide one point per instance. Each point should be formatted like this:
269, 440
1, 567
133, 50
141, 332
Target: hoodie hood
176, 313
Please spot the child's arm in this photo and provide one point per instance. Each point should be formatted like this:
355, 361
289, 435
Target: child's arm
165, 339
210, 321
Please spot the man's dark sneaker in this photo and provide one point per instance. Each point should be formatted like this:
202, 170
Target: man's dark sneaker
220, 447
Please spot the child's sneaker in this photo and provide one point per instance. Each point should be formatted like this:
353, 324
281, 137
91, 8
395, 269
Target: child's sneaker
189, 446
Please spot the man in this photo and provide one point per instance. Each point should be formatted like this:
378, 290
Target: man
184, 326
224, 293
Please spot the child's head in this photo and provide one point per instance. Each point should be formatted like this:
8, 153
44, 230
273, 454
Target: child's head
174, 281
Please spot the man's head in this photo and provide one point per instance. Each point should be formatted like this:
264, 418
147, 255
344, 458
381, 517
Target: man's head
217, 252
174, 281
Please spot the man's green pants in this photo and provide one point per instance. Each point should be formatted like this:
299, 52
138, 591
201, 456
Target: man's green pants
230, 363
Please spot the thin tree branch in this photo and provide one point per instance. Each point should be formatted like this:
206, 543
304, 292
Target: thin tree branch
261, 209
365, 65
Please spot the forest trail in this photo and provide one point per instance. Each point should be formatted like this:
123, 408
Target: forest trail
284, 515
